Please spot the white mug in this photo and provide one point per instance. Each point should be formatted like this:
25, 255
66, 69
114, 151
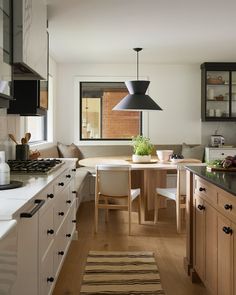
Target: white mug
211, 112
211, 93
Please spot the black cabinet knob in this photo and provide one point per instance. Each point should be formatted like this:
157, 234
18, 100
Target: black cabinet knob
61, 183
227, 230
222, 154
73, 192
201, 189
61, 213
201, 207
50, 279
228, 207
74, 221
61, 253
68, 176
50, 196
73, 169
68, 235
68, 201
50, 231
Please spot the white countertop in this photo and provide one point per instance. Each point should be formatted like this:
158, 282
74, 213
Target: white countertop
13, 200
6, 227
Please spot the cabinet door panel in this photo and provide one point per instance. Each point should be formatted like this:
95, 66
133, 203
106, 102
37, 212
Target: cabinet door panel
199, 228
210, 248
225, 261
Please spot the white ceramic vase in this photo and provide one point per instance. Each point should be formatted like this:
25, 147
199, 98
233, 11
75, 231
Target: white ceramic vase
141, 159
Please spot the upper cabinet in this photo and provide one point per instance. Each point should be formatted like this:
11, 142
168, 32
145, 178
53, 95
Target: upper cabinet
5, 52
218, 91
30, 42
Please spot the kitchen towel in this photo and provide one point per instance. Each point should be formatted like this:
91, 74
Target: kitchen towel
121, 272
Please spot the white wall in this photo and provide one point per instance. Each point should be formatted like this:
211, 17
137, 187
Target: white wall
176, 88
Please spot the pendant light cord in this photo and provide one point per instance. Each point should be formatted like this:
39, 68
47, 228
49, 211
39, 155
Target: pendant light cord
137, 66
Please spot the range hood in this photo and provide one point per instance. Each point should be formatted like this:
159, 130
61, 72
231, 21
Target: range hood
30, 41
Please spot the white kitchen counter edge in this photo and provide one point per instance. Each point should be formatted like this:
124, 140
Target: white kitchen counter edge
6, 227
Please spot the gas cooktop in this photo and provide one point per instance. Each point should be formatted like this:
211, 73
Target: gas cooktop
42, 166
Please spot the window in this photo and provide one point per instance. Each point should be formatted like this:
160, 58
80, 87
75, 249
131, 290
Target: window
98, 120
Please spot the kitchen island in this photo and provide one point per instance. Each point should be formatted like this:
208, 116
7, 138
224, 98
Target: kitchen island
211, 229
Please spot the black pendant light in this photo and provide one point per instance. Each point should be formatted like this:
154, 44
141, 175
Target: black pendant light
137, 100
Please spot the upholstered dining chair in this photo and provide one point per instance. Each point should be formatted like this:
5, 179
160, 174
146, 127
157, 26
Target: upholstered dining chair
114, 182
178, 194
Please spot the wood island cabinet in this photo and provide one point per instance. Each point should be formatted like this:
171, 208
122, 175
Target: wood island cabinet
214, 237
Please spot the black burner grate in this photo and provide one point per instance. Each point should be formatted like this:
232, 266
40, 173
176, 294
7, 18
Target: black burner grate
34, 166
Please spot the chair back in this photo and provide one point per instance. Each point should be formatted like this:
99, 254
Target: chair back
113, 180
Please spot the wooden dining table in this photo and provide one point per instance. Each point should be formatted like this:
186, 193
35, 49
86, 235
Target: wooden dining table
146, 176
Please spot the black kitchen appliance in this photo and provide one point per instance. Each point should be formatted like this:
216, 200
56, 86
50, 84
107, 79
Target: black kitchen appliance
42, 166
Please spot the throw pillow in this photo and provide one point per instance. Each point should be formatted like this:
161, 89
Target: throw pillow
193, 152
69, 151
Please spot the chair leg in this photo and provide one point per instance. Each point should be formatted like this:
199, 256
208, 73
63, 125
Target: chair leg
96, 215
178, 217
139, 210
129, 216
106, 211
156, 208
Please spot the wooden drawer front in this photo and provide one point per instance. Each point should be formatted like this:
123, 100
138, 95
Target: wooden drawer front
227, 204
47, 275
221, 154
46, 231
205, 190
61, 207
62, 181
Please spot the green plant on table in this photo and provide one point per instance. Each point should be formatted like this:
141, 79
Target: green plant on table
142, 145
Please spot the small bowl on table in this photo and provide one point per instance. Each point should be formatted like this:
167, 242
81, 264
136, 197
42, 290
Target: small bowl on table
164, 155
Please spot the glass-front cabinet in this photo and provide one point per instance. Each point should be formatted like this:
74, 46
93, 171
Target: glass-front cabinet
218, 91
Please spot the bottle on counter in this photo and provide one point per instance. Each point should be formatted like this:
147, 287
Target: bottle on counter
4, 170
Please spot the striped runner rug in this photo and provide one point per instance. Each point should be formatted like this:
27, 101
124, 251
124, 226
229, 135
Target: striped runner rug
121, 273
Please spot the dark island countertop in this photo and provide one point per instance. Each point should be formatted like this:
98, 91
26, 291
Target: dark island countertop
224, 180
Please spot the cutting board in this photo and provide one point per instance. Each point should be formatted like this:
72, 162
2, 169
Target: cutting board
231, 169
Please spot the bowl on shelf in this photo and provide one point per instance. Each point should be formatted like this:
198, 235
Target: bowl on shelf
219, 97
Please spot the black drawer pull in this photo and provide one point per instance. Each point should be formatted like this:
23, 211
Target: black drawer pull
74, 221
228, 207
68, 176
68, 235
50, 231
61, 213
39, 204
61, 183
50, 196
222, 154
201, 189
227, 230
201, 207
73, 169
50, 279
68, 201
73, 192
61, 253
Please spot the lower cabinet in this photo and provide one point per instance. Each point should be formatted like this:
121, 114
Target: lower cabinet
214, 240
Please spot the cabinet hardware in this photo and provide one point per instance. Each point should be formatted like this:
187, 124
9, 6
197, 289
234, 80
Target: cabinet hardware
227, 230
68, 235
222, 154
73, 192
73, 169
51, 196
201, 207
50, 231
61, 253
61, 213
68, 176
50, 279
68, 201
228, 207
74, 220
61, 183
39, 204
202, 189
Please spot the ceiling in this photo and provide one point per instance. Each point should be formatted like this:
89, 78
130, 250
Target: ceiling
170, 31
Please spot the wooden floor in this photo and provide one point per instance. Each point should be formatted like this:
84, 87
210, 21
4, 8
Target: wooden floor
169, 248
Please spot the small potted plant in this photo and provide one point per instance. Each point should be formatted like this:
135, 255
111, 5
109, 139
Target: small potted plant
142, 149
